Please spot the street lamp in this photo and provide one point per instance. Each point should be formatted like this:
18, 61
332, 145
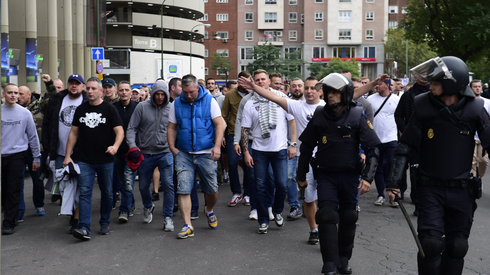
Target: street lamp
215, 37
161, 37
190, 41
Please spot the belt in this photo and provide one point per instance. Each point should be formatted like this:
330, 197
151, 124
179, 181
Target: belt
427, 181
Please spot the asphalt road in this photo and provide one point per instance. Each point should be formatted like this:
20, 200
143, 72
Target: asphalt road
383, 244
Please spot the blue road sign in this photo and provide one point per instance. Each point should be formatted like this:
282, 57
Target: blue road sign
97, 53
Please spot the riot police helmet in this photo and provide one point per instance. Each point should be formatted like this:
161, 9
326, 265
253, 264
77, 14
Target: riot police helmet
450, 71
337, 82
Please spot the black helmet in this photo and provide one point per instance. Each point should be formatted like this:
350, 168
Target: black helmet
450, 71
338, 82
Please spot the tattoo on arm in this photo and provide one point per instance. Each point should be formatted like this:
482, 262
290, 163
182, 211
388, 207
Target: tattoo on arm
244, 139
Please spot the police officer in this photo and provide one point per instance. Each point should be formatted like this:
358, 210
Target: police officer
442, 130
337, 129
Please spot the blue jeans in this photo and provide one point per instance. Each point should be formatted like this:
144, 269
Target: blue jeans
292, 188
386, 154
126, 178
186, 166
165, 164
37, 184
105, 174
278, 161
233, 169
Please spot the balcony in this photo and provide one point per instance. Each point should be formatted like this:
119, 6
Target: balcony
275, 40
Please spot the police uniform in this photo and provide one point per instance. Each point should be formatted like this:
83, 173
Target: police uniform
338, 168
444, 138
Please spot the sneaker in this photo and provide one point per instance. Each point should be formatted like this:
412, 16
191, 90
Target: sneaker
271, 216
263, 228
212, 220
148, 214
137, 178
279, 220
123, 217
155, 196
294, 214
358, 208
246, 200
235, 199
81, 234
168, 224
20, 219
118, 196
40, 211
187, 231
104, 229
131, 212
253, 215
313, 239
194, 213
8, 231
226, 177
380, 201
394, 204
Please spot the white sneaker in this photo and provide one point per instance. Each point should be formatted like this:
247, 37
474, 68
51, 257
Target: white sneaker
148, 214
253, 215
168, 224
380, 201
394, 203
271, 215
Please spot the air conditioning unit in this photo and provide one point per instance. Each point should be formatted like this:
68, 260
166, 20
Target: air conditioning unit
224, 40
279, 33
302, 19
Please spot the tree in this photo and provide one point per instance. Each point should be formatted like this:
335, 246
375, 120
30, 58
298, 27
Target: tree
395, 45
290, 66
480, 69
337, 65
450, 27
265, 57
315, 68
221, 64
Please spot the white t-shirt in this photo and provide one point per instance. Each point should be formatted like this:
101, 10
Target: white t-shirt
302, 113
215, 112
67, 111
279, 136
486, 105
384, 122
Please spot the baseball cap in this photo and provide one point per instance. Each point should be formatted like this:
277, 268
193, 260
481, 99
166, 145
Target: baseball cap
137, 90
108, 81
388, 81
76, 77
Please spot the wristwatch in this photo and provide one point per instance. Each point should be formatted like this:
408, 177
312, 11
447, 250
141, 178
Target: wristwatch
294, 144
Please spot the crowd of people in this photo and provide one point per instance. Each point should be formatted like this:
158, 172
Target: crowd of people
318, 143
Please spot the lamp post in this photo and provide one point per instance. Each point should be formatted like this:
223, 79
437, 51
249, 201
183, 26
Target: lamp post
190, 41
215, 37
161, 37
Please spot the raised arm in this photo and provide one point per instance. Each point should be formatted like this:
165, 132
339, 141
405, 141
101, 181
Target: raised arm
250, 85
368, 87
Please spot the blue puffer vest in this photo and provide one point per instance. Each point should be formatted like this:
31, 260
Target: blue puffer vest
195, 129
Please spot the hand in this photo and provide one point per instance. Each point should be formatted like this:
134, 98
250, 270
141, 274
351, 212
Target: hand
174, 150
246, 83
237, 149
45, 77
391, 192
223, 143
35, 166
302, 183
216, 153
363, 156
67, 161
249, 161
291, 152
381, 79
112, 150
364, 186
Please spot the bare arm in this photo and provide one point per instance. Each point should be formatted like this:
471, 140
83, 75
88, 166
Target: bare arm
250, 85
72, 140
218, 129
119, 139
292, 149
172, 137
368, 87
244, 139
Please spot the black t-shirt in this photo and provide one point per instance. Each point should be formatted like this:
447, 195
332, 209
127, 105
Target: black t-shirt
95, 132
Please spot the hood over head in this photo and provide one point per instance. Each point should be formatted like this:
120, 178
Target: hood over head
160, 85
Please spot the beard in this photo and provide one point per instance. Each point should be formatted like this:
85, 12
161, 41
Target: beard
296, 96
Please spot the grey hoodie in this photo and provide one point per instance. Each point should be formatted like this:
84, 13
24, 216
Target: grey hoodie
149, 123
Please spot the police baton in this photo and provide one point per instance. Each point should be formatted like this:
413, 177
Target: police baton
414, 233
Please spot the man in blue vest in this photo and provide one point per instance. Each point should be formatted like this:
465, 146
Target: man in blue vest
195, 133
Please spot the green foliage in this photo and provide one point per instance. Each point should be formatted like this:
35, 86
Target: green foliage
450, 27
221, 64
480, 69
269, 58
290, 66
337, 65
315, 68
395, 45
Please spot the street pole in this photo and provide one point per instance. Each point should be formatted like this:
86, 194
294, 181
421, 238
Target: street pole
161, 37
406, 58
190, 42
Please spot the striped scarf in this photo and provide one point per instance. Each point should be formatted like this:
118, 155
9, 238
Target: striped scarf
267, 114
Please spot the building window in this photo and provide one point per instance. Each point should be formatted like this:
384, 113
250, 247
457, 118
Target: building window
369, 52
393, 9
222, 35
271, 17
318, 1
293, 2
345, 1
249, 17
344, 52
318, 16
206, 71
270, 2
293, 35
344, 34
246, 53
222, 17
318, 34
221, 1
249, 2
345, 16
369, 34
204, 18
206, 53
205, 35
393, 24
318, 52
292, 50
369, 1
205, 1
223, 53
370, 16
404, 10
293, 17
249, 35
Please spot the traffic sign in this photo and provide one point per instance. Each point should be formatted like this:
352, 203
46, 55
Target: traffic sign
100, 67
100, 76
97, 53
